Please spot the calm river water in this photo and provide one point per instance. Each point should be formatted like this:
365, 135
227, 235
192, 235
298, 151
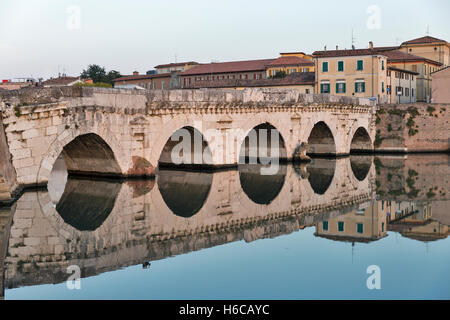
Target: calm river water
353, 228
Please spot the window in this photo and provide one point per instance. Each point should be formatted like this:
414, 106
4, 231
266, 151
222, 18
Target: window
325, 225
305, 69
325, 87
399, 91
292, 70
359, 65
382, 64
341, 226
412, 92
340, 87
382, 227
389, 73
407, 92
414, 68
325, 66
340, 65
360, 228
388, 89
360, 86
382, 86
307, 91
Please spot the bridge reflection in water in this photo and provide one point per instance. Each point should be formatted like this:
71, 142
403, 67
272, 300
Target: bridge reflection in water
103, 225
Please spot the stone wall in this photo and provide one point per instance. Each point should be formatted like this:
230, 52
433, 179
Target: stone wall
413, 128
8, 181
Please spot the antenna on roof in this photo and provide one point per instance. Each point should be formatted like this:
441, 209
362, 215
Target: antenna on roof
428, 29
353, 41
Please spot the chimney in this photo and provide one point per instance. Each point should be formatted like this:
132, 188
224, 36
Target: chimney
325, 48
337, 47
135, 73
370, 45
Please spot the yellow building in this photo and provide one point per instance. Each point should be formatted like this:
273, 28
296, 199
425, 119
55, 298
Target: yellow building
363, 225
289, 63
355, 72
430, 48
422, 67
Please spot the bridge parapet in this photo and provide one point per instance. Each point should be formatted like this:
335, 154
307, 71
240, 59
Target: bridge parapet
168, 99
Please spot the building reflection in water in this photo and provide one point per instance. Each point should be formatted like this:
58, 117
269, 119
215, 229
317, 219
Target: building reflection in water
364, 225
85, 221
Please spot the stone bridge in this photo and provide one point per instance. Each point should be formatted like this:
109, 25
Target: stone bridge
122, 224
117, 132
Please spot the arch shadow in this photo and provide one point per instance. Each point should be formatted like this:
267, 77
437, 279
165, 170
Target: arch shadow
263, 144
186, 149
321, 141
361, 142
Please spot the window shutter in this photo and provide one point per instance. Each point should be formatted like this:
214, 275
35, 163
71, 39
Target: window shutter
344, 86
356, 87
337, 87
321, 88
363, 87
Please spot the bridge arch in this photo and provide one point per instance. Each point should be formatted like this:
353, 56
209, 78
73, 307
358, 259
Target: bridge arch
361, 141
254, 138
321, 140
186, 147
91, 151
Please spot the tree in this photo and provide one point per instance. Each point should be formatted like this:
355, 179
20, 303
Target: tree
113, 74
95, 72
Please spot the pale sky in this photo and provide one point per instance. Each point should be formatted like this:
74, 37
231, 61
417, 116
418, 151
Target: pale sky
40, 37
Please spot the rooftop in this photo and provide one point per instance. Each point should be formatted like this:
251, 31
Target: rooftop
179, 64
228, 67
142, 77
290, 61
60, 81
422, 40
399, 56
346, 53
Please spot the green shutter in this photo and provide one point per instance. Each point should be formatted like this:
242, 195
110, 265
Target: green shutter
325, 67
321, 88
360, 65
363, 87
360, 228
356, 87
340, 226
337, 87
344, 87
340, 65
325, 225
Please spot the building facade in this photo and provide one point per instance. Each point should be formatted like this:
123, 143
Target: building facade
422, 67
430, 48
355, 72
441, 86
401, 86
289, 64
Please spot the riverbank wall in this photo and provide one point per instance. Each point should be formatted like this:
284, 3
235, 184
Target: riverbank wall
412, 128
